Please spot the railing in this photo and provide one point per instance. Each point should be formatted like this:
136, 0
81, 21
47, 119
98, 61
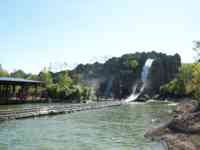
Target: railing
46, 110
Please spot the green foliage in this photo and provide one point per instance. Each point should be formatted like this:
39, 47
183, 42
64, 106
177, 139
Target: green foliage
174, 87
132, 62
3, 73
32, 77
186, 83
58, 86
64, 80
177, 86
193, 86
65, 89
45, 76
53, 91
18, 74
188, 79
196, 48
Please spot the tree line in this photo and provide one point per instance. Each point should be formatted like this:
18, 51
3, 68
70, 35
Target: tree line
59, 86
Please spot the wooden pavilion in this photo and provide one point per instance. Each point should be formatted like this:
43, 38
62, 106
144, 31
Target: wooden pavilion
17, 88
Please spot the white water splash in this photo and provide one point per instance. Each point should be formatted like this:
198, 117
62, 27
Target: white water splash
144, 78
145, 70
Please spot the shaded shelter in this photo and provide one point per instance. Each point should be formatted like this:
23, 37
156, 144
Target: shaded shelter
8, 87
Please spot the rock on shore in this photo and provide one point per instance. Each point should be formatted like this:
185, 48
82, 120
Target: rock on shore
183, 131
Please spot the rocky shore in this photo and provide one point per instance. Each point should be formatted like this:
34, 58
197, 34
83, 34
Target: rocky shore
183, 131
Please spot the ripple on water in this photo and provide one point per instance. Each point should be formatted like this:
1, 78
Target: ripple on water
116, 128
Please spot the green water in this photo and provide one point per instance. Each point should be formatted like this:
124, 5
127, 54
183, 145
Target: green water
116, 128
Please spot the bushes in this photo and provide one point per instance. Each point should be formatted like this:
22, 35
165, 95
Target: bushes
187, 82
65, 89
173, 88
193, 86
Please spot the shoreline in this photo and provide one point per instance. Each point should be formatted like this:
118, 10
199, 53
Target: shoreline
183, 131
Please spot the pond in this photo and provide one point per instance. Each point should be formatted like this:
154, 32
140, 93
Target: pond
113, 128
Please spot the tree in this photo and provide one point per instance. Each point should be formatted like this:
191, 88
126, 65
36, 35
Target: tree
187, 82
196, 48
3, 73
46, 76
64, 80
32, 77
185, 74
18, 74
178, 86
62, 88
193, 86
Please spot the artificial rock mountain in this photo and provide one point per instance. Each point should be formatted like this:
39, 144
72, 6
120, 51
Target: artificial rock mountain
115, 78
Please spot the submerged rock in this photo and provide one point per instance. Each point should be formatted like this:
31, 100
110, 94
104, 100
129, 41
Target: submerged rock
183, 131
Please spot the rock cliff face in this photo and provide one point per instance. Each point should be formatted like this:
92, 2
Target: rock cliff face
183, 131
163, 70
115, 78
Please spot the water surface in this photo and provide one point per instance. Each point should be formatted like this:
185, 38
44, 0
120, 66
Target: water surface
116, 128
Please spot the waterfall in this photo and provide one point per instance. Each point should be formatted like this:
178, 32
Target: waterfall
144, 77
108, 88
145, 70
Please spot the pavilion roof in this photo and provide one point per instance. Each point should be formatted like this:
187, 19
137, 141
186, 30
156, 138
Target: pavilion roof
11, 80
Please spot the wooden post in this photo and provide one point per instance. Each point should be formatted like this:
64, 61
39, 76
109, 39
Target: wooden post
6, 92
3, 90
13, 90
9, 87
0, 90
21, 92
36, 90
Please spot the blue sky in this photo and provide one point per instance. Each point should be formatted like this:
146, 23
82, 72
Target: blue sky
35, 33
